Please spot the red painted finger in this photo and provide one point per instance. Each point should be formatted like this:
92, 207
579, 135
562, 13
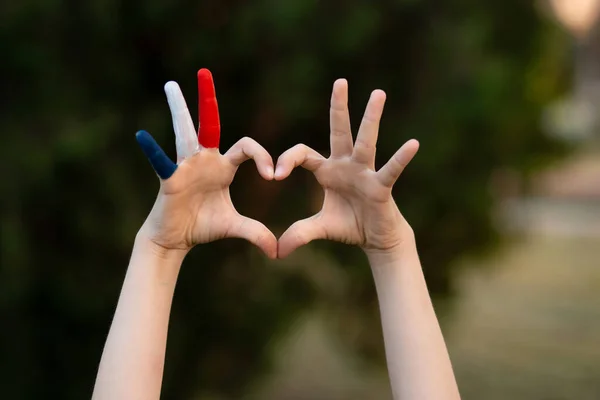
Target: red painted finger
209, 131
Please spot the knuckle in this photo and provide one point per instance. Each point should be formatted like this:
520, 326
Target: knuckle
295, 151
300, 146
339, 132
361, 142
371, 118
398, 163
246, 140
338, 106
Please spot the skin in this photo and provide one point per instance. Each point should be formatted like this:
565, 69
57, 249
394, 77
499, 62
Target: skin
358, 209
194, 207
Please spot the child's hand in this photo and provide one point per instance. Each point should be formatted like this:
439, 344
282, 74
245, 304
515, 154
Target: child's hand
358, 207
193, 205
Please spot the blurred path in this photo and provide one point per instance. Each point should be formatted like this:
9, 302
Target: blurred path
311, 364
527, 323
565, 200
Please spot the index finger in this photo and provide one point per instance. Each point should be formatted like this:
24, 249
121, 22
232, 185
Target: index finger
209, 129
298, 156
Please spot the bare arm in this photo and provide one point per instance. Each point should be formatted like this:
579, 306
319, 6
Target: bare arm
358, 209
134, 354
193, 206
417, 358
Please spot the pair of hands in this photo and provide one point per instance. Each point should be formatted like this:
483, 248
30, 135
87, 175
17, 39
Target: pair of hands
194, 205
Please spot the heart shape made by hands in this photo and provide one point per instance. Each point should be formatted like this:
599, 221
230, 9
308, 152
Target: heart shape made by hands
195, 206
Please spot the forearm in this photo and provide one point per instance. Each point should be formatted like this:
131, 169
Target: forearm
133, 359
418, 361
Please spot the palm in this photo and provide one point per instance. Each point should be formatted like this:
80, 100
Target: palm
197, 192
348, 201
218, 218
358, 207
194, 205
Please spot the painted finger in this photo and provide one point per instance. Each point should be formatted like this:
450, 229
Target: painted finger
159, 160
366, 140
391, 171
298, 156
339, 120
256, 233
300, 233
209, 129
186, 141
247, 148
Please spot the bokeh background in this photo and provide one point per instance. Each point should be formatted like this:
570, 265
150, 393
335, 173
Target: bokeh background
504, 195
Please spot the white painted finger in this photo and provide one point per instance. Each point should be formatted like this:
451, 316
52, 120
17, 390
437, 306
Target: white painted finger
186, 140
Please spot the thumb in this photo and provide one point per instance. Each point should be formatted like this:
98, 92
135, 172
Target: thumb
300, 233
256, 233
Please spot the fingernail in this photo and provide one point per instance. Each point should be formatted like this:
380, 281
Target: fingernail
270, 173
278, 172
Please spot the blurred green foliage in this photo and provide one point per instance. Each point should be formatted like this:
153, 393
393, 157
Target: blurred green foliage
467, 78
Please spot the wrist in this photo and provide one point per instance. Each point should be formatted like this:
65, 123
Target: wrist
150, 261
405, 253
145, 244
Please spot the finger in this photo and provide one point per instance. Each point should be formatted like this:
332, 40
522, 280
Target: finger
209, 129
161, 163
247, 148
366, 140
300, 233
256, 233
339, 120
298, 156
186, 141
391, 171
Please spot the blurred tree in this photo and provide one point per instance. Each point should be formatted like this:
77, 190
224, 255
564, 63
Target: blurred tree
465, 77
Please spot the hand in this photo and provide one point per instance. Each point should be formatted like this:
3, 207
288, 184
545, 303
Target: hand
358, 208
194, 205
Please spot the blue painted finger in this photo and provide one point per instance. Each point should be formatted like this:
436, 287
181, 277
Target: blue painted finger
159, 160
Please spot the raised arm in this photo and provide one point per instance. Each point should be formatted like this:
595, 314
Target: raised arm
359, 209
193, 206
418, 361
